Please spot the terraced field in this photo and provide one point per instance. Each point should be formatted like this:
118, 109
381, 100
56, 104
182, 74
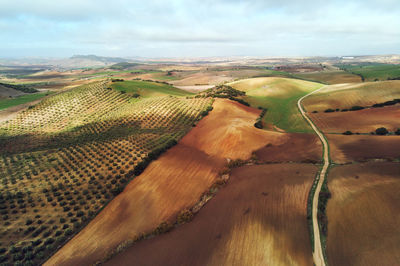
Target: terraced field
64, 159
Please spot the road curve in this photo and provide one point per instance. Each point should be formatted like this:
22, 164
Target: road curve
318, 254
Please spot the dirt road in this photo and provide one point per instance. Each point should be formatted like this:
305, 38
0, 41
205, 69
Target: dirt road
318, 254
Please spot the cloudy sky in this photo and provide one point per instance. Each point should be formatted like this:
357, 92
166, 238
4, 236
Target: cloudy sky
175, 28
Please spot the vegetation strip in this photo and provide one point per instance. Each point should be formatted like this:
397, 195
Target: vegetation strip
318, 253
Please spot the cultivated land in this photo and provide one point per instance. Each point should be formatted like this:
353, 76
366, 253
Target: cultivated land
362, 121
363, 214
347, 95
65, 158
373, 71
279, 96
91, 171
330, 77
363, 147
267, 226
174, 182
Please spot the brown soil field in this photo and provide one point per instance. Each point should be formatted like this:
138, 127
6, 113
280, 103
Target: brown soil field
202, 78
363, 121
173, 182
331, 77
259, 218
300, 68
6, 92
363, 214
297, 147
347, 95
363, 147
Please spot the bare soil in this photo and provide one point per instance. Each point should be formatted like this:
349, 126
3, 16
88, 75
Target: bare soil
297, 147
173, 182
363, 214
363, 121
363, 147
259, 218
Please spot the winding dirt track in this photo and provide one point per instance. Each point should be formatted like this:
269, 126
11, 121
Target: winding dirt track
318, 254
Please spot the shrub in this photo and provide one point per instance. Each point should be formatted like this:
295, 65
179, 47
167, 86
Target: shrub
329, 110
381, 131
356, 108
348, 132
397, 132
185, 216
164, 227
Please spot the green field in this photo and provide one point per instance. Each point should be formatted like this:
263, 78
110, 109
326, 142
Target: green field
373, 71
279, 96
6, 103
148, 89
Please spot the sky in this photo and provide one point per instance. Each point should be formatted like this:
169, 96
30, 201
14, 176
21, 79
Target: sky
205, 28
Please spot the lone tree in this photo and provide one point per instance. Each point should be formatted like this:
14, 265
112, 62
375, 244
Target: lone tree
381, 131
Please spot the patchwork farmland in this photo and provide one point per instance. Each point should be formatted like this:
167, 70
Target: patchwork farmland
200, 163
68, 156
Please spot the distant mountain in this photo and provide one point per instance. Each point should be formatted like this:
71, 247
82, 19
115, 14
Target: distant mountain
76, 61
104, 59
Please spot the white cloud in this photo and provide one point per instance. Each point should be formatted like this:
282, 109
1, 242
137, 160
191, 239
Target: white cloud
207, 27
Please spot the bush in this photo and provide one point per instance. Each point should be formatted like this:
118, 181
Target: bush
164, 227
329, 110
356, 108
185, 216
381, 131
397, 132
348, 132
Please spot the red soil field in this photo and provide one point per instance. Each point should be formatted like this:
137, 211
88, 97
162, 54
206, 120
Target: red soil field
173, 182
298, 147
363, 214
363, 147
363, 121
259, 218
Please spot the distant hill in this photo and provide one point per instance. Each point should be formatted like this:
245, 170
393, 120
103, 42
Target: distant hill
104, 59
123, 65
75, 61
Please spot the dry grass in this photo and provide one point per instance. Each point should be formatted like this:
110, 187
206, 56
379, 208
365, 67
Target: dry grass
363, 214
347, 95
273, 87
331, 77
